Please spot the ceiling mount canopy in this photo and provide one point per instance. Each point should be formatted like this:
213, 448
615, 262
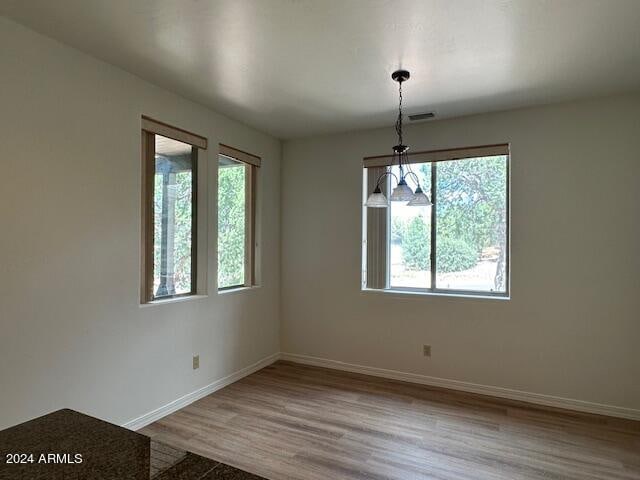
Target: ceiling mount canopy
400, 75
402, 192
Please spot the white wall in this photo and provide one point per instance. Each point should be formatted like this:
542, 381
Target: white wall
72, 332
572, 326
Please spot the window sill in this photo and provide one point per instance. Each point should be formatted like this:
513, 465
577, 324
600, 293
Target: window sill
237, 289
416, 293
165, 301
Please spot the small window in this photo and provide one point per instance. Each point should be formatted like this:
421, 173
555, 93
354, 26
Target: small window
170, 158
458, 245
237, 172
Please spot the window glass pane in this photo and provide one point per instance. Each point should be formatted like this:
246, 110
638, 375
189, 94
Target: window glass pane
231, 222
471, 225
410, 236
172, 235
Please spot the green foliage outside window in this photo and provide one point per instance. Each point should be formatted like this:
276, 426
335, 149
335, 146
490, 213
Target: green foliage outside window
182, 242
455, 255
471, 201
179, 189
231, 225
415, 249
471, 216
398, 230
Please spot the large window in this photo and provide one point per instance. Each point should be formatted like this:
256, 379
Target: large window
169, 210
237, 172
460, 244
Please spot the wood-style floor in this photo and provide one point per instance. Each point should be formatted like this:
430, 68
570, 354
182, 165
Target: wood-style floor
290, 421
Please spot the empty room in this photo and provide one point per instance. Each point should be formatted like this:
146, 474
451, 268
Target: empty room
319, 239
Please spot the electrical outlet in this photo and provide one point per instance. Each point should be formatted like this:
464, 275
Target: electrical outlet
196, 362
426, 350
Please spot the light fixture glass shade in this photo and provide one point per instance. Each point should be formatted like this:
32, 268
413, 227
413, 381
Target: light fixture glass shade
419, 199
402, 193
377, 199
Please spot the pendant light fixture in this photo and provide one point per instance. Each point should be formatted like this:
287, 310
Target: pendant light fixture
402, 192
419, 199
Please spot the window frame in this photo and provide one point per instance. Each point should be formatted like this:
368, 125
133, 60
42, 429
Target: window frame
251, 164
151, 128
434, 157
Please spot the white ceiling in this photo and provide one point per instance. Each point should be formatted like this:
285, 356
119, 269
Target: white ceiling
302, 67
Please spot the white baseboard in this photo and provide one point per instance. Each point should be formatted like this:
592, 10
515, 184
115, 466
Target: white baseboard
158, 413
536, 398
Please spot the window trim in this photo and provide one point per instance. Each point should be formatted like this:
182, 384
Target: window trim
164, 129
440, 155
433, 157
408, 293
239, 155
149, 129
251, 163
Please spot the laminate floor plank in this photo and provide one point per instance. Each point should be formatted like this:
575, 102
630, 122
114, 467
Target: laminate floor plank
291, 421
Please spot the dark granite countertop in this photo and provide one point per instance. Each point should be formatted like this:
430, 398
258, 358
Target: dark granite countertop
70, 445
